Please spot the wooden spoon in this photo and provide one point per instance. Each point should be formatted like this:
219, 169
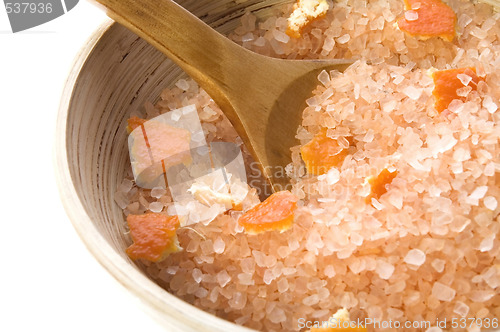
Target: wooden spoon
263, 97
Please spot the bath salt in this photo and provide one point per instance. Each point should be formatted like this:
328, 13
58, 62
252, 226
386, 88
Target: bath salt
415, 257
443, 292
428, 238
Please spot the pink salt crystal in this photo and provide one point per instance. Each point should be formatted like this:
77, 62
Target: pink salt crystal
283, 251
155, 207
375, 312
482, 313
223, 278
489, 104
246, 279
443, 292
393, 313
268, 276
289, 271
219, 245
415, 257
277, 315
330, 271
461, 309
479, 192
412, 92
207, 247
201, 292
260, 42
197, 275
356, 239
434, 329
157, 192
480, 296
344, 39
282, 285
324, 78
248, 265
490, 203
438, 265
311, 300
492, 276
487, 243
465, 79
411, 15
259, 258
281, 36
238, 300
182, 84
384, 269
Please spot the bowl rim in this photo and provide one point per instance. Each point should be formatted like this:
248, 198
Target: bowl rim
166, 308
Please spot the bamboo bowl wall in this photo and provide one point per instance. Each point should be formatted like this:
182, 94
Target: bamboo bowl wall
115, 73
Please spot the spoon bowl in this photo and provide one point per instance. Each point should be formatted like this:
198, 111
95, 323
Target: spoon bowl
263, 97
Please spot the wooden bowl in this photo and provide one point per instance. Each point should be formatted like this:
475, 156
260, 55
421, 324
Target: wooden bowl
115, 73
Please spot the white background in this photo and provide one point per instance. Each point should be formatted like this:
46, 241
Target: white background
48, 280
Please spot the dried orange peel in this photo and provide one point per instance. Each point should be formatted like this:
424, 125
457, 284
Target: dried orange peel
428, 18
447, 82
304, 13
322, 153
154, 236
133, 123
275, 213
379, 183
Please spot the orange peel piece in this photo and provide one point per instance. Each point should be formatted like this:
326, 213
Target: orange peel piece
322, 153
304, 13
379, 183
275, 213
428, 18
133, 123
447, 82
154, 236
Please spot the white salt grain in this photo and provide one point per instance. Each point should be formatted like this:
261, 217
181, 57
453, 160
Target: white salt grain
155, 207
333, 176
480, 296
479, 192
487, 243
461, 309
344, 39
442, 292
311, 300
412, 92
384, 269
182, 84
324, 78
489, 104
438, 265
260, 42
415, 257
434, 329
330, 271
223, 278
490, 203
197, 275
411, 15
219, 245
464, 78
281, 36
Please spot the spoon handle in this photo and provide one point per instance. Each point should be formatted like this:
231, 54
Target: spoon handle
194, 46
